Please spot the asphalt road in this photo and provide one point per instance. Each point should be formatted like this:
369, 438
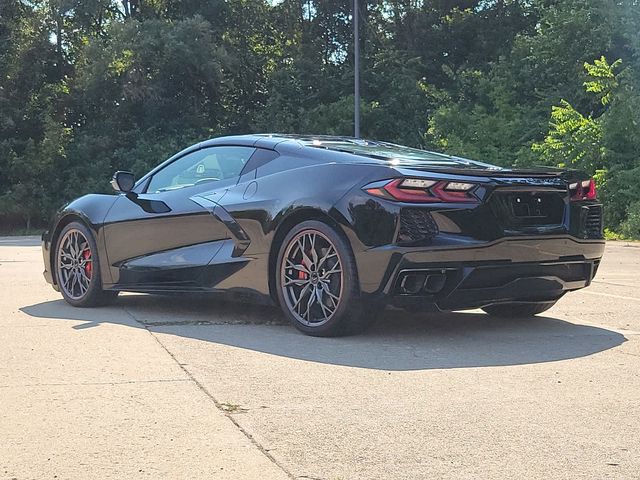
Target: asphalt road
157, 387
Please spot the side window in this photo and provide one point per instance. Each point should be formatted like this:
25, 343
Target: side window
206, 165
258, 159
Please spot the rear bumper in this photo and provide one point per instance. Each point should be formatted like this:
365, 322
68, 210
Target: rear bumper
478, 286
471, 276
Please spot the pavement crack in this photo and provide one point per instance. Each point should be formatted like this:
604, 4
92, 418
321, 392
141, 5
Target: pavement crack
629, 353
604, 282
622, 297
220, 406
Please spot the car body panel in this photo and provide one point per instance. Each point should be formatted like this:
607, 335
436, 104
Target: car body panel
89, 209
222, 237
158, 223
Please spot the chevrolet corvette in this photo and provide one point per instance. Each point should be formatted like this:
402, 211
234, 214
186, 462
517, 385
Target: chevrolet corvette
332, 229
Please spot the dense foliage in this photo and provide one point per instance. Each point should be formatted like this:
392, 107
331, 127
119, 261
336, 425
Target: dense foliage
91, 86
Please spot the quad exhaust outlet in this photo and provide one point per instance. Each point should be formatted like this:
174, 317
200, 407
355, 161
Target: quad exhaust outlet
426, 282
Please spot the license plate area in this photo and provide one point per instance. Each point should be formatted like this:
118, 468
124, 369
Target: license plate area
530, 207
521, 209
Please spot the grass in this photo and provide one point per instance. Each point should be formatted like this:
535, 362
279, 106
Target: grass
611, 235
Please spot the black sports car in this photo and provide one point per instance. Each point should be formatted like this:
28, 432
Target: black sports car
332, 229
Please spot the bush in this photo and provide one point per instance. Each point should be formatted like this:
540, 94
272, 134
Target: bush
630, 228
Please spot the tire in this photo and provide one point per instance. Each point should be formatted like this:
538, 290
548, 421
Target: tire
320, 293
76, 255
518, 309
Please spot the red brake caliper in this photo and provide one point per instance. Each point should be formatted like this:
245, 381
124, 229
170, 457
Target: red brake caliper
302, 275
87, 266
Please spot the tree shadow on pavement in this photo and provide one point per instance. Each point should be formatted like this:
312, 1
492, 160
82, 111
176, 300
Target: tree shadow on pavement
399, 341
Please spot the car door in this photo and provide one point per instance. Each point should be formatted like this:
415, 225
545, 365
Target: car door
161, 238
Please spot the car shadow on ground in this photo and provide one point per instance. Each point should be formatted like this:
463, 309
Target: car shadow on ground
398, 341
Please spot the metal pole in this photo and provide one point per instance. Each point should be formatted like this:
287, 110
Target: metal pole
356, 53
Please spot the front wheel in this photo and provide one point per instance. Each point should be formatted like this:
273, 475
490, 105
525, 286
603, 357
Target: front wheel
518, 309
77, 268
317, 282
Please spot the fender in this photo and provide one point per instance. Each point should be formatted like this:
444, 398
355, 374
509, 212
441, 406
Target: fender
91, 210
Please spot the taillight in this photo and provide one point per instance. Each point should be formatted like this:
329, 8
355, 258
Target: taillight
418, 190
583, 190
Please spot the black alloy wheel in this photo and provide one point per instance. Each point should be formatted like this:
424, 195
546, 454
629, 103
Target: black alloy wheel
317, 282
312, 278
77, 268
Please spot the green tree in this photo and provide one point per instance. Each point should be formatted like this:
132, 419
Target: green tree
501, 112
90, 86
602, 144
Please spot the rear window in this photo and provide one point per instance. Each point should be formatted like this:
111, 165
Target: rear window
395, 154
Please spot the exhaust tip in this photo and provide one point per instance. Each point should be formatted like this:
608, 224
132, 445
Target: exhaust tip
412, 283
423, 282
435, 282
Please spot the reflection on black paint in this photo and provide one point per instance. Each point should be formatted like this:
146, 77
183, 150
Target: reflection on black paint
375, 224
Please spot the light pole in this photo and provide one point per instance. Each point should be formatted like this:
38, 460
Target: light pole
356, 58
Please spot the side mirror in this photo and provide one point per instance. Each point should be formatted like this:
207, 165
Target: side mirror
123, 181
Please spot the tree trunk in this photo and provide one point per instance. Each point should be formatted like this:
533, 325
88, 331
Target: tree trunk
125, 6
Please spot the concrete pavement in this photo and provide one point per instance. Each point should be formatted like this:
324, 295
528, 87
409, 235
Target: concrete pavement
157, 387
102, 398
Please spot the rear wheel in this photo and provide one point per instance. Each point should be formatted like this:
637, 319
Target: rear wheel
78, 269
518, 309
317, 282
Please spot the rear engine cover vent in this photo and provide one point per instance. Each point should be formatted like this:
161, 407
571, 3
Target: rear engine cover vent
416, 226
